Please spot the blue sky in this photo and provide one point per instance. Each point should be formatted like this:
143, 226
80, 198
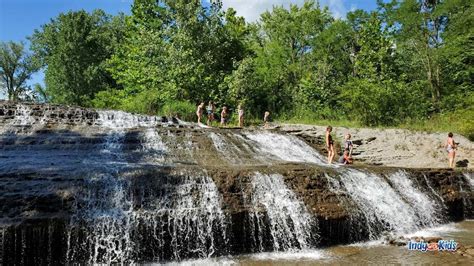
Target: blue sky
19, 18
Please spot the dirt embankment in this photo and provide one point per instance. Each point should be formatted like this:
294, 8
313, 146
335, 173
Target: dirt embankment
391, 147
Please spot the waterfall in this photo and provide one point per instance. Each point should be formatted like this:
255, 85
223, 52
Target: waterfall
101, 225
290, 224
152, 145
183, 217
229, 150
426, 208
169, 217
382, 206
22, 119
284, 147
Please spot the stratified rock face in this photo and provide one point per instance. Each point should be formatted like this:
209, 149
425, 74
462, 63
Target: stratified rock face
81, 185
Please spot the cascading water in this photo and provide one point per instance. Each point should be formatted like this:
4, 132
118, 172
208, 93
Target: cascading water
426, 208
290, 224
382, 207
183, 218
180, 216
229, 150
101, 225
153, 146
21, 119
284, 147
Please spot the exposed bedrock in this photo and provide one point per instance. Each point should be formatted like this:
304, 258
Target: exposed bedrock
80, 185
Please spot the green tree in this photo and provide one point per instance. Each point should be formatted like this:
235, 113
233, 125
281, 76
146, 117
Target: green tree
74, 47
457, 54
417, 26
175, 51
16, 68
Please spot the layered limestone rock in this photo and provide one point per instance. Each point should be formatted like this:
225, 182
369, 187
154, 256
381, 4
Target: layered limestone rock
82, 185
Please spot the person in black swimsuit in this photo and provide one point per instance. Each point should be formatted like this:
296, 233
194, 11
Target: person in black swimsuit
329, 144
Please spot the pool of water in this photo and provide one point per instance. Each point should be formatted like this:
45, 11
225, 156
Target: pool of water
373, 252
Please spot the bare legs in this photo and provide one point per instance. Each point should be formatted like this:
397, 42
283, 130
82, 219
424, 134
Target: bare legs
451, 156
241, 121
199, 117
330, 153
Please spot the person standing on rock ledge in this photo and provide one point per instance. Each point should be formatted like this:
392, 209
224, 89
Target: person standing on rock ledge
451, 149
241, 115
329, 144
199, 111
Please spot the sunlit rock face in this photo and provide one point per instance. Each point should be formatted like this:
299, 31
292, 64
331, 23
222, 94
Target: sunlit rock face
91, 186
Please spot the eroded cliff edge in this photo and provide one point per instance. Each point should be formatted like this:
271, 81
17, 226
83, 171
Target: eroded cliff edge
62, 168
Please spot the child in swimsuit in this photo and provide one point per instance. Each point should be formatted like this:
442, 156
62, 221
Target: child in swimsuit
224, 115
210, 112
199, 112
451, 149
266, 119
329, 144
348, 143
241, 116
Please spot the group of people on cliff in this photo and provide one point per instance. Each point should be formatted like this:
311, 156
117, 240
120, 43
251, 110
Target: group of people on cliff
345, 158
224, 115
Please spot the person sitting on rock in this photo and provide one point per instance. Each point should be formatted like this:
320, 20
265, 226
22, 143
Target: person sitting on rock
348, 143
345, 158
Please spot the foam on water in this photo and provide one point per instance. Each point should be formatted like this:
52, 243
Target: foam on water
284, 147
290, 223
434, 231
302, 255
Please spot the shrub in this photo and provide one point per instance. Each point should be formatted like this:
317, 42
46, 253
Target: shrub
182, 109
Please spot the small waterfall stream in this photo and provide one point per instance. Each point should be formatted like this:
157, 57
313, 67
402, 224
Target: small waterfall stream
399, 209
290, 224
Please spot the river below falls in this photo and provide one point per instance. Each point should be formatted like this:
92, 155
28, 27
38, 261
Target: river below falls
372, 252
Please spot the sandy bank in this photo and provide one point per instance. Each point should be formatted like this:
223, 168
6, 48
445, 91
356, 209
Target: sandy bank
394, 147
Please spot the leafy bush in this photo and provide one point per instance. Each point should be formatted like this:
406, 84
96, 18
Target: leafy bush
383, 103
182, 109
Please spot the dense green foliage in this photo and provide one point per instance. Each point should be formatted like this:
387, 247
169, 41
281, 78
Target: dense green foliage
74, 48
408, 61
16, 68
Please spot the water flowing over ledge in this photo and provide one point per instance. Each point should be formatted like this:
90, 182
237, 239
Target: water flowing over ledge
80, 185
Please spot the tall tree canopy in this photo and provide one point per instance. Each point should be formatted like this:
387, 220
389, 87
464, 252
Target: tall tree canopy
16, 68
409, 60
73, 47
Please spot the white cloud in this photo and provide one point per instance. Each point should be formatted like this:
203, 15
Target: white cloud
251, 9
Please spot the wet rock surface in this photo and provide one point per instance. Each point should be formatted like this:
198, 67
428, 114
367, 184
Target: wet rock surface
54, 160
